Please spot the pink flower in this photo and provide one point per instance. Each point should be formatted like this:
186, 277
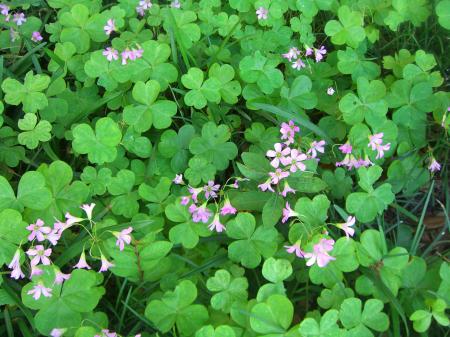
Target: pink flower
57, 332
297, 159
287, 189
35, 271
60, 277
19, 18
82, 264
346, 148
266, 186
15, 266
309, 51
145, 4
210, 189
299, 64
216, 225
185, 200
123, 237
135, 54
60, 226
39, 290
40, 255
111, 54
105, 264
36, 37
178, 179
125, 56
376, 143
279, 155
70, 219
346, 226
200, 213
330, 91
227, 208
110, 27
235, 184
175, 4
88, 210
278, 175
195, 192
316, 147
288, 132
288, 212
38, 230
434, 165
53, 236
319, 53
293, 53
4, 10
320, 253
106, 333
295, 248
262, 13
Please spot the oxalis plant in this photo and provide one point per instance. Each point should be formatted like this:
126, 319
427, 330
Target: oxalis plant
212, 168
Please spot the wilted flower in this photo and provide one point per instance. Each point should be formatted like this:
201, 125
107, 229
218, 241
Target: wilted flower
88, 210
434, 165
185, 200
70, 219
262, 13
15, 266
53, 236
266, 186
38, 290
36, 37
105, 264
178, 179
82, 264
60, 277
330, 91
195, 192
288, 212
287, 189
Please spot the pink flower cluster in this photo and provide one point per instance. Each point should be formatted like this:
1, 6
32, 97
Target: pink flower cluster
104, 333
350, 161
18, 19
39, 254
286, 160
200, 211
293, 56
144, 5
262, 13
376, 143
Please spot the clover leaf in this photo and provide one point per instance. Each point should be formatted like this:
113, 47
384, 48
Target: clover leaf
229, 89
366, 205
200, 170
310, 8
31, 193
348, 30
369, 104
176, 146
251, 243
227, 289
10, 152
332, 298
213, 145
340, 184
101, 145
156, 195
12, 232
358, 320
150, 111
442, 11
126, 200
326, 327
276, 270
407, 175
200, 91
33, 132
96, 180
182, 24
176, 308
312, 213
79, 294
29, 93
353, 62
272, 317
220, 331
186, 232
262, 71
299, 96
422, 318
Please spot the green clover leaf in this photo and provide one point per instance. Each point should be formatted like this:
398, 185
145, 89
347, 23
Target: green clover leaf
156, 195
79, 294
251, 243
299, 96
33, 132
340, 184
176, 309
407, 175
31, 193
348, 30
358, 320
366, 205
220, 331
12, 233
312, 213
126, 200
176, 146
186, 232
101, 145
29, 93
213, 145
369, 104
182, 24
150, 111
310, 8
97, 181
442, 11
10, 152
276, 270
332, 298
327, 327
353, 62
272, 317
227, 289
422, 318
200, 92
229, 89
262, 71
200, 170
